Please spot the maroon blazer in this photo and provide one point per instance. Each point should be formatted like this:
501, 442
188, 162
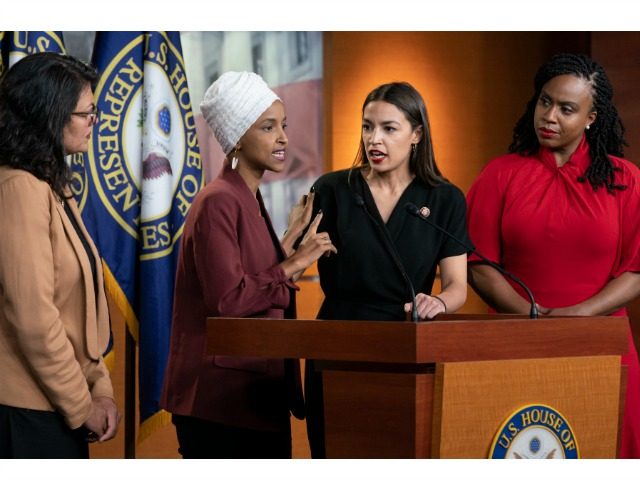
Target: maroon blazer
228, 267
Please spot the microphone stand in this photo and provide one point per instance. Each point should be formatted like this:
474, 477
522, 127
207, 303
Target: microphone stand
394, 255
415, 211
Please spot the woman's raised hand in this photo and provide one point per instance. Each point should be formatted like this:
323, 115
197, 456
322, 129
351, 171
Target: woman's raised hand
300, 214
318, 243
312, 247
299, 218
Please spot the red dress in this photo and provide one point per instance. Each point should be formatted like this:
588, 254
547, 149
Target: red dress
565, 241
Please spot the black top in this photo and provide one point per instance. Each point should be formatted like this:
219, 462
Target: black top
362, 282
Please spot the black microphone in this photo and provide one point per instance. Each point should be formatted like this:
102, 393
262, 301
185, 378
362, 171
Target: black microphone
388, 243
415, 211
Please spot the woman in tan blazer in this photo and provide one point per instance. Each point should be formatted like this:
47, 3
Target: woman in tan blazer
55, 391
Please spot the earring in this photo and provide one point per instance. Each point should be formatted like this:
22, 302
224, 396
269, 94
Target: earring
234, 159
413, 149
588, 127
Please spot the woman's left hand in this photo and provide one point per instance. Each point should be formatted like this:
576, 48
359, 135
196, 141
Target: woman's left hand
112, 417
298, 220
300, 214
428, 306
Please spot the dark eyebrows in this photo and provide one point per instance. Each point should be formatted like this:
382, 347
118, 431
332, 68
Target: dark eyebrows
273, 120
573, 105
384, 123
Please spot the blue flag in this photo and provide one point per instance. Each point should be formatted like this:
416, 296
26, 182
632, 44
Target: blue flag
135, 187
16, 45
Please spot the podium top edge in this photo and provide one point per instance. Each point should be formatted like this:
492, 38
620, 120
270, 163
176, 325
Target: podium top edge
446, 318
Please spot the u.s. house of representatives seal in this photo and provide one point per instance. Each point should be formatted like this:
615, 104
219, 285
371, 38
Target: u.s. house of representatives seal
145, 160
535, 431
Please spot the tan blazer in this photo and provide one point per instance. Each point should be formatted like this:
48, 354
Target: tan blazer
53, 325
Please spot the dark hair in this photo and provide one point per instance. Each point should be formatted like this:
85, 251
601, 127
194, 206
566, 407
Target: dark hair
605, 136
406, 98
37, 96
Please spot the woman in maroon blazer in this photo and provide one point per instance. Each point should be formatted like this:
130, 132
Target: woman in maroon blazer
232, 264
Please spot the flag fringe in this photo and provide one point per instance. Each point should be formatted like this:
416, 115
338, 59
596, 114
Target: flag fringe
162, 417
110, 361
120, 299
158, 420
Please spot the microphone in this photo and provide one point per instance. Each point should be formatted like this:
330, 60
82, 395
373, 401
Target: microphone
415, 211
391, 249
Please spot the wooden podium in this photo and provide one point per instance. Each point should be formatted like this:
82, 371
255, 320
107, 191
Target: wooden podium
443, 388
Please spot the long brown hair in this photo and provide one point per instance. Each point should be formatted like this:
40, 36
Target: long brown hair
406, 98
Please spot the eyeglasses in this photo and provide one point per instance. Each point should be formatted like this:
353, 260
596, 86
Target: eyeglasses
93, 116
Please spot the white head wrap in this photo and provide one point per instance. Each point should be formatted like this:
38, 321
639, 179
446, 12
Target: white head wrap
233, 103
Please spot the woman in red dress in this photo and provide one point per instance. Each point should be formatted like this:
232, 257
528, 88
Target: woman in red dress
561, 211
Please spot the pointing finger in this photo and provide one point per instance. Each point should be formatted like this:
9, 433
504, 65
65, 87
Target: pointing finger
314, 225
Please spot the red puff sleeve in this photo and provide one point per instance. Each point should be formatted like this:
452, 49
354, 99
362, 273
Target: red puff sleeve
628, 254
485, 204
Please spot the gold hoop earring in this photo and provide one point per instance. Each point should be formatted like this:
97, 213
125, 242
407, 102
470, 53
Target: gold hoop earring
234, 159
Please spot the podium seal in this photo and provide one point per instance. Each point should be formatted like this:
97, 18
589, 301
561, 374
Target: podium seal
535, 431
